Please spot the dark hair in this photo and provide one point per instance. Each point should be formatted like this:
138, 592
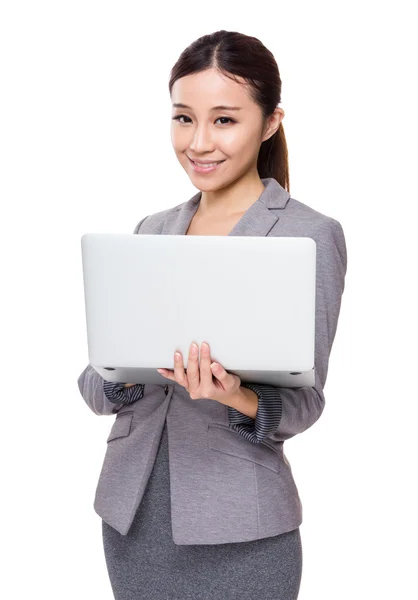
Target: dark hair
236, 54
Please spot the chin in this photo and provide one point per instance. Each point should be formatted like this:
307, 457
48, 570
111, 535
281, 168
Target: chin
206, 186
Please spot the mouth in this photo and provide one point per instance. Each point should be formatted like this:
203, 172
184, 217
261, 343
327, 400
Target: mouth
205, 168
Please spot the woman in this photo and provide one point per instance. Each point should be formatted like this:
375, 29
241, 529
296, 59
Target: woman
228, 135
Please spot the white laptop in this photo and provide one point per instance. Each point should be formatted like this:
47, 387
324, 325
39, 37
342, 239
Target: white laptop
251, 298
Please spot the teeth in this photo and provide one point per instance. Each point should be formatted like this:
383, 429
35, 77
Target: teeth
207, 165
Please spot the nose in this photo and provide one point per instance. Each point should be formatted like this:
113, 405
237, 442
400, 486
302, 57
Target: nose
201, 141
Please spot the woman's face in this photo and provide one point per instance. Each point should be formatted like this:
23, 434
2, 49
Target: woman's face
200, 131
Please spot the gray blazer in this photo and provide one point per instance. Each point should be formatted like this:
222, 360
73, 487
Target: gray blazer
224, 488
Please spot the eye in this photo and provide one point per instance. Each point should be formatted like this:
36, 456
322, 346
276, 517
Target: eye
178, 117
227, 118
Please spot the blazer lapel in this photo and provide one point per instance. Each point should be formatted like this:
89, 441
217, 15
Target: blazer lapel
256, 221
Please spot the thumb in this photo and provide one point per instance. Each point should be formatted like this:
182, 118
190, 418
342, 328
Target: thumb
218, 371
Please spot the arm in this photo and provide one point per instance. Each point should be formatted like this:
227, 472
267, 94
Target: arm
90, 384
117, 392
266, 401
284, 412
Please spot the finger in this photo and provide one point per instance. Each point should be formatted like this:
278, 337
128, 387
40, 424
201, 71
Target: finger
179, 373
167, 373
193, 375
229, 380
206, 381
219, 372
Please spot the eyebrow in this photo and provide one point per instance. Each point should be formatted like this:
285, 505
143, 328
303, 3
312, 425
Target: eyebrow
220, 107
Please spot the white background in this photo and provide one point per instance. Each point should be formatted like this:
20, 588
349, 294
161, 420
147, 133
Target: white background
85, 111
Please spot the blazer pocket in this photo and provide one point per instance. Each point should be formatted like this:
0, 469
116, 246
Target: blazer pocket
226, 440
122, 425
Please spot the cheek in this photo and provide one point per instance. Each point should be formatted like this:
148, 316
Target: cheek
236, 143
179, 137
174, 138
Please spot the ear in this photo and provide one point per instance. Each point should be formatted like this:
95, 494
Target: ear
273, 123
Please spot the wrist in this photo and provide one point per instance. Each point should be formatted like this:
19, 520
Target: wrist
245, 401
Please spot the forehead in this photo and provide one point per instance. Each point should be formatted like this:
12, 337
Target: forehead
207, 89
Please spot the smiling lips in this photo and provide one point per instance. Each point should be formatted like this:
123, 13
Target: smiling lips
205, 167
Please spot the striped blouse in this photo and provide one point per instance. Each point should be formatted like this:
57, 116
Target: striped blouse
267, 419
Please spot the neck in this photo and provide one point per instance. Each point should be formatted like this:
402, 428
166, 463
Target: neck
231, 199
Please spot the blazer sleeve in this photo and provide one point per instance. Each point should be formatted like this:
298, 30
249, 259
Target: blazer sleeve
283, 412
117, 392
90, 384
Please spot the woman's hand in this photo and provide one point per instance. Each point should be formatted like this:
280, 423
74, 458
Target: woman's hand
210, 381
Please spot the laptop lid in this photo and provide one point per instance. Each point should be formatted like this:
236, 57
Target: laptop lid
251, 298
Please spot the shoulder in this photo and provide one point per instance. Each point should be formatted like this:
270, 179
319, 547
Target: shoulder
154, 222
299, 219
308, 215
305, 220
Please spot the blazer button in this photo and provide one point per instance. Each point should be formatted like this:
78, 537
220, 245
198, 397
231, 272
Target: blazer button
166, 389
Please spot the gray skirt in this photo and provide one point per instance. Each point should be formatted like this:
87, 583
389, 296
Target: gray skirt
147, 564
